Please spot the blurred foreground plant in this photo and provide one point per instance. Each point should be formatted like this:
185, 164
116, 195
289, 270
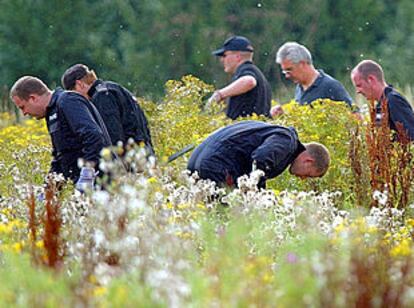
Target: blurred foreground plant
386, 158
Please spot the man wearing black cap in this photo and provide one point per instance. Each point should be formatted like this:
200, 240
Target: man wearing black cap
249, 92
118, 107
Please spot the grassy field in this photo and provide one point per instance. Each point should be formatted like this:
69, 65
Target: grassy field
159, 237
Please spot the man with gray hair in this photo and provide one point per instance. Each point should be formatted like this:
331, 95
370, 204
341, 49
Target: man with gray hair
311, 84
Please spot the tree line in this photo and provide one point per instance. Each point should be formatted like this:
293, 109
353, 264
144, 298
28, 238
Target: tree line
142, 44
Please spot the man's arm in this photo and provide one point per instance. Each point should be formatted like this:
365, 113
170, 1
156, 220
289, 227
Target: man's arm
242, 85
134, 121
401, 111
109, 109
276, 111
54, 165
271, 156
84, 126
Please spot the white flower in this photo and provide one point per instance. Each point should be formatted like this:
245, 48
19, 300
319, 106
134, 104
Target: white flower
99, 238
381, 197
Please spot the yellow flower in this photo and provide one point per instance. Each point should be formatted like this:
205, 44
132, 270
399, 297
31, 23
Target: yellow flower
106, 153
402, 249
99, 291
410, 222
152, 180
40, 244
17, 247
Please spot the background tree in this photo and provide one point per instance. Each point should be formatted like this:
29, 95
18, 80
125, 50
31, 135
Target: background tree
142, 44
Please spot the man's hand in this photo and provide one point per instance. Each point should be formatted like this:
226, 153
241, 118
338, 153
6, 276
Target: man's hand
215, 98
276, 111
86, 179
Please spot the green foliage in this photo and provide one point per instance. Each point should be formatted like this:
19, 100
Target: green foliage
180, 120
241, 276
23, 285
155, 240
295, 257
331, 124
25, 155
142, 44
42, 39
124, 292
400, 41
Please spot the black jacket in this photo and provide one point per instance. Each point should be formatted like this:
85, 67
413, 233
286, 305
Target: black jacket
399, 111
121, 113
228, 153
76, 130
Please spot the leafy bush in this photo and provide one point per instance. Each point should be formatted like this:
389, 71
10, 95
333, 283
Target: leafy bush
327, 122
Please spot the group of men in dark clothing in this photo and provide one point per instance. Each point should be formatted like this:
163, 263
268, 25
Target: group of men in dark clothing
91, 114
233, 151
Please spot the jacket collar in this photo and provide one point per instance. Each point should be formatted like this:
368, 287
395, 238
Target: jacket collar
92, 90
55, 97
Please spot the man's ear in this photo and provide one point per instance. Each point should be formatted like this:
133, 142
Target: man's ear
371, 79
308, 158
78, 84
33, 97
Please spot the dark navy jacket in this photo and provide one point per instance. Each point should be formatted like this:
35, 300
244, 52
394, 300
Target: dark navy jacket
257, 100
76, 130
399, 110
121, 113
228, 153
324, 86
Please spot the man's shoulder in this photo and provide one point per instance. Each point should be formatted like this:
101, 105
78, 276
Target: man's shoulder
102, 88
68, 98
328, 80
248, 68
71, 95
392, 93
106, 87
393, 97
325, 86
334, 88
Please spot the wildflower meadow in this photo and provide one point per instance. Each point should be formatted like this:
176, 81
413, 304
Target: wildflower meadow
160, 237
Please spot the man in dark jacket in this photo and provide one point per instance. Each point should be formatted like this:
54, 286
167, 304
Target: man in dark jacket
119, 109
75, 126
231, 152
249, 91
368, 79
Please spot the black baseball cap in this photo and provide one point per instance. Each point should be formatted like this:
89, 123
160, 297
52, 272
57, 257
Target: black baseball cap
73, 73
235, 43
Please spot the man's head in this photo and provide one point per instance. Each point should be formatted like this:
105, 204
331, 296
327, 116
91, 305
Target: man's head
313, 162
31, 95
368, 79
235, 51
295, 61
78, 78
